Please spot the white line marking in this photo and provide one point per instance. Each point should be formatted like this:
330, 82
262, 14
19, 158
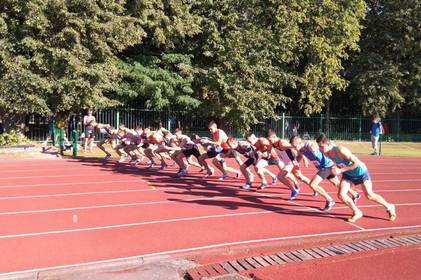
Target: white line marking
321, 211
138, 180
213, 246
216, 197
151, 202
84, 193
49, 169
71, 183
138, 172
103, 173
153, 188
355, 225
178, 220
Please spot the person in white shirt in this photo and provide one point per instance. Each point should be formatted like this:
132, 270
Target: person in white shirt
88, 123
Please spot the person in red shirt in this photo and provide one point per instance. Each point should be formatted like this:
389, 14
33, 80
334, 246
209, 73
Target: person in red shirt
218, 149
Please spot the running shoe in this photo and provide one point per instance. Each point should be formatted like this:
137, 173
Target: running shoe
356, 198
208, 174
246, 186
107, 157
238, 175
392, 213
182, 173
262, 187
328, 205
122, 159
274, 180
163, 166
294, 194
315, 194
223, 177
151, 165
356, 216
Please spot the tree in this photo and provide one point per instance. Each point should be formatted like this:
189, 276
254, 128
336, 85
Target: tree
386, 74
60, 55
158, 72
257, 56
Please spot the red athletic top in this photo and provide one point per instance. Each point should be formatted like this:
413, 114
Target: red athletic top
156, 138
220, 133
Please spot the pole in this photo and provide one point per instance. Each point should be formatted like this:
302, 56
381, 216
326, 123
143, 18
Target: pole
53, 131
360, 130
283, 125
61, 140
321, 123
75, 137
117, 121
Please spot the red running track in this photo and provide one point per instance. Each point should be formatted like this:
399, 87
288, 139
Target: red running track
57, 213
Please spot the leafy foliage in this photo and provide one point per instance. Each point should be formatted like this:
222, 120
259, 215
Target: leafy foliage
12, 138
239, 61
255, 56
60, 55
386, 75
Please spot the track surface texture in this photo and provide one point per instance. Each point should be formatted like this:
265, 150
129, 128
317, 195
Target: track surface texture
59, 213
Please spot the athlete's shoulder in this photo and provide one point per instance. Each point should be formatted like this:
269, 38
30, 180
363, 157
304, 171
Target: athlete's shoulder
342, 150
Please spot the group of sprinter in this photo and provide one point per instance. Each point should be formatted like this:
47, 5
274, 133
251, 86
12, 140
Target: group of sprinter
333, 163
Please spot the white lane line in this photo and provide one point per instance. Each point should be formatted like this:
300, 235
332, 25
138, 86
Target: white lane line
179, 220
103, 173
138, 171
153, 189
83, 193
53, 170
206, 247
321, 211
216, 196
73, 183
355, 225
139, 180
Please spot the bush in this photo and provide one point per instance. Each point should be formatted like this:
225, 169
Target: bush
12, 138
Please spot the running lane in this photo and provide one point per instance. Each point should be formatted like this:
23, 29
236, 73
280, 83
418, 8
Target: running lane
84, 211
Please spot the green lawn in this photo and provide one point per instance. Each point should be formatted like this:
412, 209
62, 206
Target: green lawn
388, 148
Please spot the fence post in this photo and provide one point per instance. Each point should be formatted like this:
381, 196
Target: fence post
321, 123
53, 131
360, 129
283, 125
117, 121
61, 140
169, 121
398, 127
75, 137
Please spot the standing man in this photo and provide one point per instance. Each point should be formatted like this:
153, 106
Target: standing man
88, 123
376, 130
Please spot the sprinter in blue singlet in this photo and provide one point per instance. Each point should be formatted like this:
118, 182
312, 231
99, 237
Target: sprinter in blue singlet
321, 162
354, 172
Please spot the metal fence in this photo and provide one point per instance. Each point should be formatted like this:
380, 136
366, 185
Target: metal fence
339, 128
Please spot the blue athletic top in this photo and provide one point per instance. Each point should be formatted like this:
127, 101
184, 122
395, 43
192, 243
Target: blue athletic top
376, 129
319, 159
356, 172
